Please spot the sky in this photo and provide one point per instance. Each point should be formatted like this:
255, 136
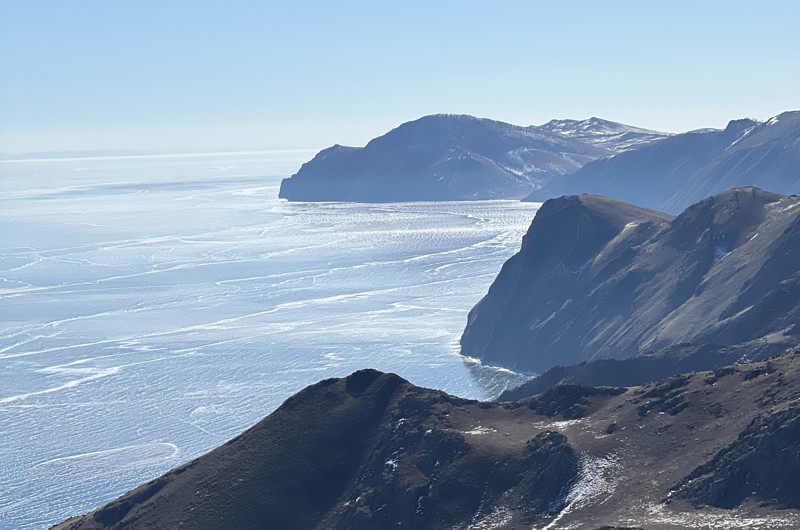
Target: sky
196, 75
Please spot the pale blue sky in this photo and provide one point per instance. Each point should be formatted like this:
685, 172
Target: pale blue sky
197, 75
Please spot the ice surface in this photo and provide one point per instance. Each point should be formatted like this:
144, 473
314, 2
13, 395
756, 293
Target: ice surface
153, 308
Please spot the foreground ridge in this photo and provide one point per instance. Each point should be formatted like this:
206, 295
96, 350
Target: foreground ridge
373, 451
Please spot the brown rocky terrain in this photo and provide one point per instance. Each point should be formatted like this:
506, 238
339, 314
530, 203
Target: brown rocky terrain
715, 449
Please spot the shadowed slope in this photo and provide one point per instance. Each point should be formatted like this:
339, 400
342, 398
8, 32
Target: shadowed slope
600, 279
673, 173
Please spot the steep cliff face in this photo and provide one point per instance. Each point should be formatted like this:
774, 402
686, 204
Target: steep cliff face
705, 450
601, 279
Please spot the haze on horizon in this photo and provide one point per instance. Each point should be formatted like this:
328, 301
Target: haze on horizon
201, 75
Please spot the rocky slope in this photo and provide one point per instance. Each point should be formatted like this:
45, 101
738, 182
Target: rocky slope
440, 157
673, 173
373, 451
601, 279
766, 155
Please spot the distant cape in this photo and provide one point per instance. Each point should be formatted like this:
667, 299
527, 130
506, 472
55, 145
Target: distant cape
458, 157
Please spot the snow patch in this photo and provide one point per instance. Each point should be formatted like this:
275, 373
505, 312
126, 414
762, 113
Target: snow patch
728, 520
479, 430
558, 425
596, 479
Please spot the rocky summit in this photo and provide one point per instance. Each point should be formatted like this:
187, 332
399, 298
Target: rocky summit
714, 449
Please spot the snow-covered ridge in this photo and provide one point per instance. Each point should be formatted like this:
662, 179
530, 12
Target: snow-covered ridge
605, 134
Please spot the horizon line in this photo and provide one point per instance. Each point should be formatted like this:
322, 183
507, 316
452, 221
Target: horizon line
209, 154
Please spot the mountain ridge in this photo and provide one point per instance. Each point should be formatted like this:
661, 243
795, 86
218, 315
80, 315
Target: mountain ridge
614, 136
618, 285
447, 157
671, 454
675, 172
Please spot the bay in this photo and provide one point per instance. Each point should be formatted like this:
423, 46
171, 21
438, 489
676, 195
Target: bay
154, 307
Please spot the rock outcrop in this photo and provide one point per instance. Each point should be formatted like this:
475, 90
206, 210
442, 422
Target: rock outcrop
763, 465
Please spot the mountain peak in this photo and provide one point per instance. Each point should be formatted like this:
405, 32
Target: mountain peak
597, 207
451, 116
739, 126
727, 217
740, 193
445, 118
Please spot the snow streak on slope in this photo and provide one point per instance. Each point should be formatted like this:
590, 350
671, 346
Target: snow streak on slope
596, 478
615, 137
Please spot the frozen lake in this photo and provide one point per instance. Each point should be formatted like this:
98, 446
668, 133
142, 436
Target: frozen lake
153, 308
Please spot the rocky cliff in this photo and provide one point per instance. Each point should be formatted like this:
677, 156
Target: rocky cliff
601, 279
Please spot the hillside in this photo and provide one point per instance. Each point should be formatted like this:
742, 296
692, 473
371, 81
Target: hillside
708, 450
766, 155
673, 173
601, 279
